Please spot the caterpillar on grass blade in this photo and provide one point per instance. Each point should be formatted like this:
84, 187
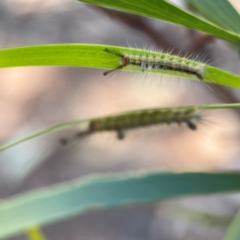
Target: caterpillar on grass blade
152, 61
137, 119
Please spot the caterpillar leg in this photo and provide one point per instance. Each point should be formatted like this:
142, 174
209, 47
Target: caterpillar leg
120, 134
191, 125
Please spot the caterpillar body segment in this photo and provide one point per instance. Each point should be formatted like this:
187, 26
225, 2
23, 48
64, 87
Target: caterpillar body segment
152, 61
140, 119
144, 119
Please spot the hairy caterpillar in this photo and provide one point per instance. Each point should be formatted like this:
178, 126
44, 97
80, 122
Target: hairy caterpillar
152, 61
138, 119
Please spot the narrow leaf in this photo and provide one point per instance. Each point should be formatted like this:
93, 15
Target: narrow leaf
233, 232
55, 203
220, 12
75, 123
192, 215
166, 11
34, 233
94, 56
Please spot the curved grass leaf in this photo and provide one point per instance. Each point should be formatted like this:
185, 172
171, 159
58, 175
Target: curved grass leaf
220, 12
233, 232
166, 11
62, 126
192, 215
93, 56
55, 203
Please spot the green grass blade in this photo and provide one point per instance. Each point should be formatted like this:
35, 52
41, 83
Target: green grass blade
44, 131
192, 215
220, 12
93, 56
219, 76
81, 55
35, 233
75, 123
166, 11
233, 232
52, 204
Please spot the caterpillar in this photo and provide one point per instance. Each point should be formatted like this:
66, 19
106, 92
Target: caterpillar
137, 119
152, 61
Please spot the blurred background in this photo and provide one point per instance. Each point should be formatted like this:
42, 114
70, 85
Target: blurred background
32, 98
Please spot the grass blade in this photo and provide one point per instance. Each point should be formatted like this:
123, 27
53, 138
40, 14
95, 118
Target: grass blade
192, 215
75, 123
52, 204
233, 232
34, 233
220, 12
93, 56
166, 11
